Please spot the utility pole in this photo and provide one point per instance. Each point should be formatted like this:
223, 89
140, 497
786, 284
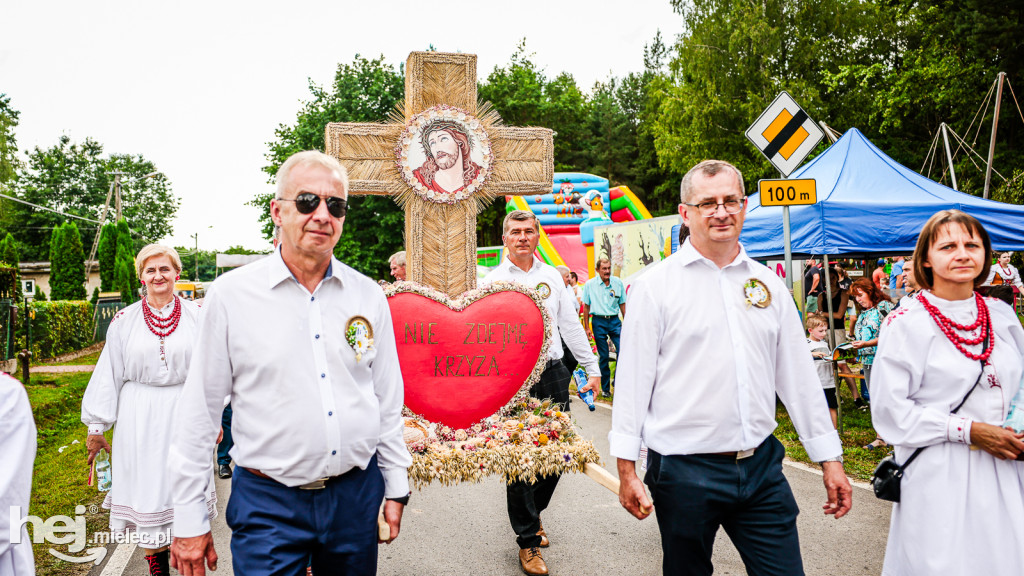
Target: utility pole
995, 124
196, 253
949, 156
115, 191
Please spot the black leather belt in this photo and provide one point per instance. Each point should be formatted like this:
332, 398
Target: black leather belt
604, 317
318, 484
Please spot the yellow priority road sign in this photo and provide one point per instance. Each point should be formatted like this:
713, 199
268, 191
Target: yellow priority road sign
784, 133
787, 192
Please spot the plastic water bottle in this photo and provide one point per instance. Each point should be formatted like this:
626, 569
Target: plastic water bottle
580, 376
103, 479
1015, 419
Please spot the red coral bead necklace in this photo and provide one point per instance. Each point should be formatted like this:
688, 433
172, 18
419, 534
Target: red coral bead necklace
952, 329
161, 326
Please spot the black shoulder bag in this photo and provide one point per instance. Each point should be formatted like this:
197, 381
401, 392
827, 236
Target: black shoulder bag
887, 476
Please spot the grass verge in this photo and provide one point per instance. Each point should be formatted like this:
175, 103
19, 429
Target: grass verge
59, 477
857, 432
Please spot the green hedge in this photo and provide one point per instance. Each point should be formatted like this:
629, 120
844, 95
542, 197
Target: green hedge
57, 328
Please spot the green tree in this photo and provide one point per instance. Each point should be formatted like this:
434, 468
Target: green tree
363, 91
67, 263
125, 280
107, 253
74, 260
734, 59
74, 178
58, 283
934, 64
9, 162
9, 251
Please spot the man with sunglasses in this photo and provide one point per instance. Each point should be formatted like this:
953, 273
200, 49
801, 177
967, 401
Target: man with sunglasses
712, 336
316, 420
604, 298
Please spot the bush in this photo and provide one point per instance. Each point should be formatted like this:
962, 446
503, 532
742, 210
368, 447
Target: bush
58, 328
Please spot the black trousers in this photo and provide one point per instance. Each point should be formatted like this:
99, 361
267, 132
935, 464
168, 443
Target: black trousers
750, 498
526, 501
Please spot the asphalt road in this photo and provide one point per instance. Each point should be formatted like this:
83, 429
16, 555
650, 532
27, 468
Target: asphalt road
464, 530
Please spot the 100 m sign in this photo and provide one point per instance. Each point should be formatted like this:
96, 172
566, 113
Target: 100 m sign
787, 192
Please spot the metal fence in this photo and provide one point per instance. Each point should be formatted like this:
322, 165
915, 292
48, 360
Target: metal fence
103, 314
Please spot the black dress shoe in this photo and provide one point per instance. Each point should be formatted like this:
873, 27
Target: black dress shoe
224, 471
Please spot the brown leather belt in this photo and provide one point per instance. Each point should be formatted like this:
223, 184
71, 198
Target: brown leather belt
319, 484
736, 455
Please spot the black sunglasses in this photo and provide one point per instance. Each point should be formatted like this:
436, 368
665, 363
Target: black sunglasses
307, 202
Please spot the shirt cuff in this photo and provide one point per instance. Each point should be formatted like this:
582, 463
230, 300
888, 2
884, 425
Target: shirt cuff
821, 448
958, 429
624, 446
396, 482
191, 520
97, 429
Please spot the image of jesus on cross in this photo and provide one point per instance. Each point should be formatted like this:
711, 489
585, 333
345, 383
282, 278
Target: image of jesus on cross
448, 166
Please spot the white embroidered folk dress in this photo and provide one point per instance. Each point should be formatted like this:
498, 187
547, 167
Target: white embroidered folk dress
961, 510
135, 391
1008, 276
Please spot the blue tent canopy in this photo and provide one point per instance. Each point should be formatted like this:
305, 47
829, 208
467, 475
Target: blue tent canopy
869, 204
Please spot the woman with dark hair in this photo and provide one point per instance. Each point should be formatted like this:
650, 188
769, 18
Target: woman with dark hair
947, 366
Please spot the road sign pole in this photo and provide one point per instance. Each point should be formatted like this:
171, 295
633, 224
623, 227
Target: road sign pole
789, 248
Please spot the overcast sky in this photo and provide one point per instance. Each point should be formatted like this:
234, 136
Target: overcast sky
199, 87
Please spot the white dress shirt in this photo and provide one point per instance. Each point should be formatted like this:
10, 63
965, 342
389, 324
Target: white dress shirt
18, 447
560, 305
303, 407
699, 368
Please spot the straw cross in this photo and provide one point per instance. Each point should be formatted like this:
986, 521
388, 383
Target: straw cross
440, 238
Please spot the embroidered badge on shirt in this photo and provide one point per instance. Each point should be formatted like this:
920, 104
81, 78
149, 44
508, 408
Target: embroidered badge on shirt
359, 334
757, 294
544, 290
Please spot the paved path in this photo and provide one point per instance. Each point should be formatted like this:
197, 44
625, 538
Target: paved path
44, 369
463, 530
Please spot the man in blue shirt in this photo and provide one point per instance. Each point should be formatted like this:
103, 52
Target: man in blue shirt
604, 297
896, 279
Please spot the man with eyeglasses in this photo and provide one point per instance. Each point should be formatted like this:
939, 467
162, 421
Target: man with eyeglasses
520, 235
712, 336
316, 422
604, 298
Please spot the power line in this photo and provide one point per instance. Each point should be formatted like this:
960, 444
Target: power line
49, 209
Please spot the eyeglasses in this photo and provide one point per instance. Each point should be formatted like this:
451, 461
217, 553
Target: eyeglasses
710, 208
307, 202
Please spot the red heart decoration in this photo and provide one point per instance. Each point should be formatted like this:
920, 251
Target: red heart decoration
464, 360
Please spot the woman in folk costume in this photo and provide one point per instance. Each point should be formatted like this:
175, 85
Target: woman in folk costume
962, 503
1004, 273
136, 385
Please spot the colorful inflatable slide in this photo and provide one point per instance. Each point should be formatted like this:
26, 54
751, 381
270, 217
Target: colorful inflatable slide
567, 216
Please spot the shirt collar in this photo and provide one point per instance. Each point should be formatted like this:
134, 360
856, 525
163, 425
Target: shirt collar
279, 272
689, 255
511, 266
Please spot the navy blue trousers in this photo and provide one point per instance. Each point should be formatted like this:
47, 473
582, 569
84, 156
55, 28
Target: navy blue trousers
526, 501
750, 498
225, 443
604, 328
275, 530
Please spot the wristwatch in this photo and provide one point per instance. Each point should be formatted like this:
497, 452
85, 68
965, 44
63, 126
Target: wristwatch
836, 459
404, 500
